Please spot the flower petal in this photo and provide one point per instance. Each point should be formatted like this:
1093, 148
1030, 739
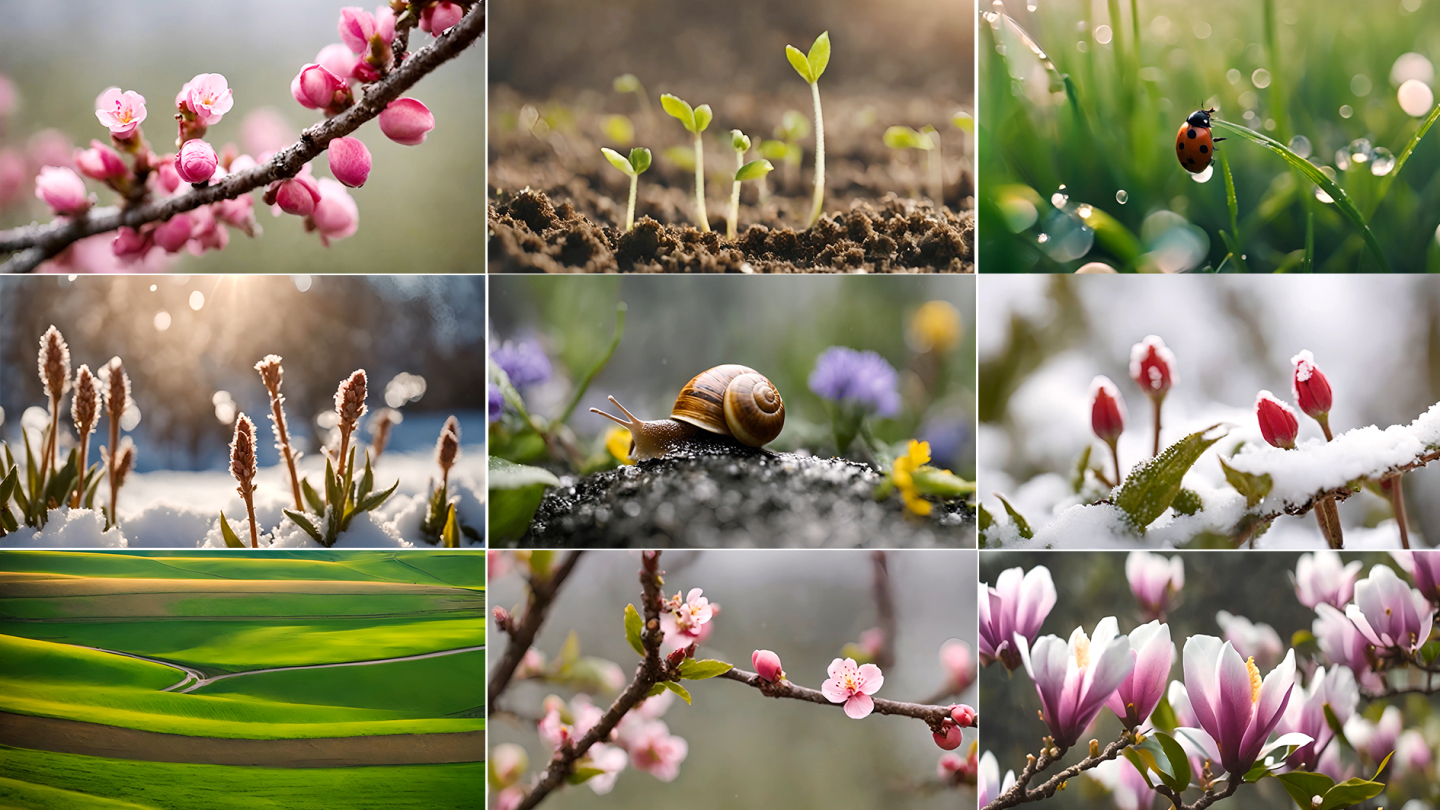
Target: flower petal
859, 706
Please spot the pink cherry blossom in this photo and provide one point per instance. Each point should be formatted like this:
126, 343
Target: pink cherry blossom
165, 177
1389, 613
99, 162
121, 111
265, 130
1018, 604
610, 759
964, 715
438, 18
1153, 654
132, 245
1075, 679
337, 59
510, 798
1155, 581
690, 613
654, 750
959, 664
767, 665
336, 216
508, 762
298, 195
172, 234
62, 190
406, 121
14, 175
208, 96
1322, 577
316, 88
237, 213
51, 147
349, 161
852, 686
358, 27
1236, 708
949, 766
209, 233
196, 161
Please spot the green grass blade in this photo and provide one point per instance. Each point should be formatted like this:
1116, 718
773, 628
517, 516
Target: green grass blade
595, 369
1309, 266
1313, 173
1404, 156
1234, 213
1277, 85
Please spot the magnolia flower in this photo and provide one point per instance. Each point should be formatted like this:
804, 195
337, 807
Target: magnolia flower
1152, 654
1424, 568
1236, 709
1376, 740
1251, 640
1155, 581
852, 686
1127, 786
1017, 605
1412, 752
988, 782
1075, 680
1322, 577
1306, 713
1389, 613
1342, 644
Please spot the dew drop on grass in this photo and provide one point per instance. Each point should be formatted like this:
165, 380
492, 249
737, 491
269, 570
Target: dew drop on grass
1415, 97
1043, 238
1059, 198
1260, 78
1122, 196
1342, 159
1360, 151
1346, 111
1204, 177
1382, 161
1084, 211
1320, 192
1103, 34
1300, 145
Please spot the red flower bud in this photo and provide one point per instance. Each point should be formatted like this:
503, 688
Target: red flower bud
675, 658
1107, 410
1278, 423
964, 715
1312, 390
949, 739
767, 665
1152, 366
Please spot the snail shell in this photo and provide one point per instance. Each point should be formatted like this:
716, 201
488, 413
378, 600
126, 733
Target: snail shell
732, 400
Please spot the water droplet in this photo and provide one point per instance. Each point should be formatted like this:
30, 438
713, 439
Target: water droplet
1415, 97
1360, 85
1204, 177
1030, 6
1260, 78
1320, 192
1346, 111
1360, 151
1084, 211
1122, 196
1233, 76
1382, 161
1059, 198
1103, 34
1342, 159
1043, 238
1300, 145
1082, 46
1437, 236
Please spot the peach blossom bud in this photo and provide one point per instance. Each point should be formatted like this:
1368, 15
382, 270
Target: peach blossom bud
502, 618
337, 59
196, 161
1107, 410
406, 121
165, 174
963, 715
438, 18
120, 111
336, 216
99, 162
349, 161
62, 190
14, 174
767, 665
298, 196
1278, 423
315, 87
174, 233
130, 244
358, 26
675, 658
950, 738
1312, 389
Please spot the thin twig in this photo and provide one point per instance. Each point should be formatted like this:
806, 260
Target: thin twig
1020, 792
1209, 797
33, 244
885, 608
542, 596
933, 716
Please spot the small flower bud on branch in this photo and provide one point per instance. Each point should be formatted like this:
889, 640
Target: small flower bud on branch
244, 466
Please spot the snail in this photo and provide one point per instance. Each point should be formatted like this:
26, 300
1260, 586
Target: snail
729, 400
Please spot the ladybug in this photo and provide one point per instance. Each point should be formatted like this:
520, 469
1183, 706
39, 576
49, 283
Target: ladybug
1194, 146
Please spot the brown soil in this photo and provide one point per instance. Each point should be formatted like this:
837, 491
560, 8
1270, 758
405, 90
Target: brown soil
113, 742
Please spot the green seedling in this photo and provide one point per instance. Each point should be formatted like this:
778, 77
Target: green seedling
35, 491
755, 169
681, 157
695, 119
811, 67
928, 141
344, 498
619, 129
629, 83
633, 167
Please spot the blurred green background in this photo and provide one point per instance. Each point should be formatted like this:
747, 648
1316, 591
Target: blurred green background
422, 209
1097, 129
678, 327
745, 750
1092, 585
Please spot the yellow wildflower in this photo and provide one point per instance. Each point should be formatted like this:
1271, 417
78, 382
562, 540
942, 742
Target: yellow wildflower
935, 327
917, 455
617, 441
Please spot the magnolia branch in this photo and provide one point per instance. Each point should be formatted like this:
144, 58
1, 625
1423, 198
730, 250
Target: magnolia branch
1020, 792
1209, 797
933, 716
650, 672
522, 632
33, 244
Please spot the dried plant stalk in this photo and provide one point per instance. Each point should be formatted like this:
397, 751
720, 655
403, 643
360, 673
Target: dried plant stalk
54, 364
447, 449
117, 399
85, 411
272, 375
349, 406
385, 419
244, 466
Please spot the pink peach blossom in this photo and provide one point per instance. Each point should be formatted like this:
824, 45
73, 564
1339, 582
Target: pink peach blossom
610, 759
949, 766
657, 752
336, 216
337, 59
964, 715
358, 27
209, 233
438, 18
62, 190
14, 174
691, 612
8, 98
165, 177
767, 665
959, 664
208, 96
99, 162
238, 213
349, 161
120, 111
265, 130
508, 762
172, 234
950, 738
510, 798
298, 195
316, 88
406, 121
51, 147
131, 245
196, 161
852, 686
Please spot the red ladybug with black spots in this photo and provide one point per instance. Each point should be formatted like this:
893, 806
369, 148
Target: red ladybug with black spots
1194, 146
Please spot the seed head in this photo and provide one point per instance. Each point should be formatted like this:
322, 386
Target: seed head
117, 391
127, 461
242, 455
380, 425
85, 408
271, 374
447, 449
350, 401
54, 363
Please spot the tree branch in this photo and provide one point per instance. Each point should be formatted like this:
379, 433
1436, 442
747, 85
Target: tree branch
647, 674
1020, 792
1209, 797
33, 244
537, 606
885, 607
932, 715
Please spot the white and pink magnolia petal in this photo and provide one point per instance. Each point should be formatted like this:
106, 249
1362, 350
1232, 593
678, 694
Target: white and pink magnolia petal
1199, 741
1275, 692
1235, 710
1036, 598
1201, 663
1354, 613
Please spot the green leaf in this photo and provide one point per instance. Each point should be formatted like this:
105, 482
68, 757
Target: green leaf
639, 159
799, 62
333, 496
304, 523
703, 117
1179, 775
618, 161
570, 650
509, 475
620, 309
774, 150
1144, 762
1019, 520
1153, 484
633, 625
1351, 792
983, 518
963, 121
627, 83
678, 108
8, 484
902, 138
738, 141
1309, 265
1311, 171
375, 501
1404, 156
943, 483
819, 56
450, 537
1336, 726
693, 670
655, 690
753, 170
231, 540
1303, 786
677, 689
312, 497
1253, 487
1077, 475
583, 773
367, 480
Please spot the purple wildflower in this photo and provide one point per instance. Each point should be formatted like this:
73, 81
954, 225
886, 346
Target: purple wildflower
497, 404
864, 378
525, 362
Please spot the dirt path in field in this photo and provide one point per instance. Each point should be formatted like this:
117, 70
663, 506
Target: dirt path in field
114, 742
